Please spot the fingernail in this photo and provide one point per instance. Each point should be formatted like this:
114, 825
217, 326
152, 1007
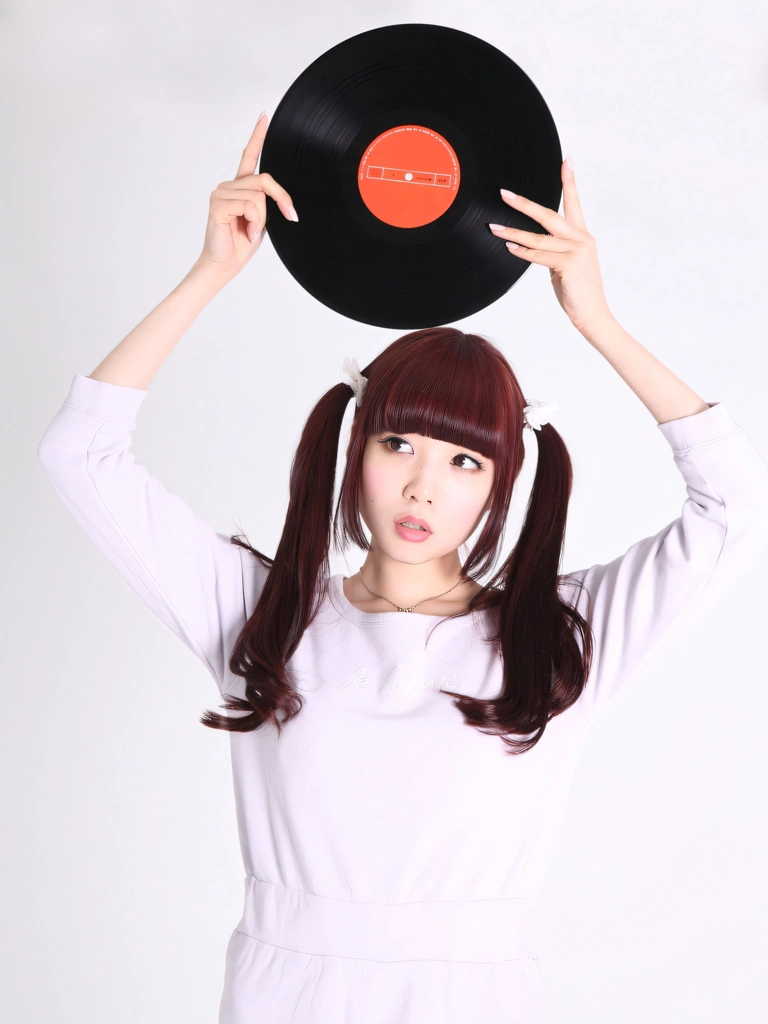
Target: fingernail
294, 215
569, 161
260, 116
507, 194
496, 227
512, 245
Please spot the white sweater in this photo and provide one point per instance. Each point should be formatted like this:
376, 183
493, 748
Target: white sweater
393, 854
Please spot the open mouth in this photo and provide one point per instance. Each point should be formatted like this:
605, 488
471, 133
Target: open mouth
409, 529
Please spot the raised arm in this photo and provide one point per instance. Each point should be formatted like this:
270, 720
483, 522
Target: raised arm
570, 253
671, 579
235, 229
192, 577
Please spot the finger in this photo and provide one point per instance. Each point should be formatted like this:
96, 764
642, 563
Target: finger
544, 259
252, 213
261, 184
571, 204
530, 239
250, 156
250, 182
553, 222
231, 208
254, 194
270, 187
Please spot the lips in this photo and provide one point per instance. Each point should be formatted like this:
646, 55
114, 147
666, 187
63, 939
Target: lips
415, 520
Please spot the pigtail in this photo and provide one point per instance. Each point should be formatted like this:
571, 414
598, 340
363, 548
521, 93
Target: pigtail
545, 668
290, 597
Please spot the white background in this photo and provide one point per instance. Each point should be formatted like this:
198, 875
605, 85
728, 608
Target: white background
122, 877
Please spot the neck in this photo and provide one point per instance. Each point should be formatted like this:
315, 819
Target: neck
406, 583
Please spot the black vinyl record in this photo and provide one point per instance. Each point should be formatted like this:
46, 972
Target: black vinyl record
393, 146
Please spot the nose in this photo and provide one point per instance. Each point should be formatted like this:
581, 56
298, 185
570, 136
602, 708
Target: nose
420, 489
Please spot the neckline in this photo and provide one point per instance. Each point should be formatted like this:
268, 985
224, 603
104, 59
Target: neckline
343, 605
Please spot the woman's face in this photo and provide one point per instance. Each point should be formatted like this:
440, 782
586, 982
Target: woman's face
409, 476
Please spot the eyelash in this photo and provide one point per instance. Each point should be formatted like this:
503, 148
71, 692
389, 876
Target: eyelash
480, 466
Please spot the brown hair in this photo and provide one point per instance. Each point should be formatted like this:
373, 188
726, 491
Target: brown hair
459, 388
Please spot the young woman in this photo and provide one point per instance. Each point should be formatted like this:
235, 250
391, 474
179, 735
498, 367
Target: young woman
404, 741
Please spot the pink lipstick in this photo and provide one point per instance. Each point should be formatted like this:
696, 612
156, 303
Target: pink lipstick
417, 531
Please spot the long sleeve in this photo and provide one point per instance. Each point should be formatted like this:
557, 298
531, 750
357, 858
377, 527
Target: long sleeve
191, 576
670, 580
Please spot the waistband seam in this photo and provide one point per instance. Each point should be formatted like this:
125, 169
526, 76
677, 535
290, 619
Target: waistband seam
372, 960
406, 903
497, 930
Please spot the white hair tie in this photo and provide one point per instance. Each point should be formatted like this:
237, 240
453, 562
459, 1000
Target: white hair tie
538, 413
350, 374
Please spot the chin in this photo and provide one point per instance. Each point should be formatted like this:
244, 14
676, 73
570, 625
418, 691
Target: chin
410, 553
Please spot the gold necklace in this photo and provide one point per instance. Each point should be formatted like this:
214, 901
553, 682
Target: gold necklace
397, 605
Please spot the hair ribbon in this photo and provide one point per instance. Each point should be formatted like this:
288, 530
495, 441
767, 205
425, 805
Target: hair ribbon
538, 413
350, 374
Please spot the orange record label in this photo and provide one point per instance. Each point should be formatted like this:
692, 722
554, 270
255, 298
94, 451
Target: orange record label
408, 176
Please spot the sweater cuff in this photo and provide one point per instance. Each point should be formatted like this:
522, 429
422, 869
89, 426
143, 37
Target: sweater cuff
710, 424
107, 401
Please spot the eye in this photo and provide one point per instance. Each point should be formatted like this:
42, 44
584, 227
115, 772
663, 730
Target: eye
389, 441
471, 458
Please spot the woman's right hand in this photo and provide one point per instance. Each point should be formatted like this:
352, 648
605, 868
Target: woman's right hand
238, 212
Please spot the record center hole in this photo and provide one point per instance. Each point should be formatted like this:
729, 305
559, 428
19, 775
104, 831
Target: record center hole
408, 175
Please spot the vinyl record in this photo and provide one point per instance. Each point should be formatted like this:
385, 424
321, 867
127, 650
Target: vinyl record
393, 146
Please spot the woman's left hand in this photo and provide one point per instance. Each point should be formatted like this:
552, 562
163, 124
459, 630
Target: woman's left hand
568, 250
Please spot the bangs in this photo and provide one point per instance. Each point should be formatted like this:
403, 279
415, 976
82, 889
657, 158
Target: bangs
452, 392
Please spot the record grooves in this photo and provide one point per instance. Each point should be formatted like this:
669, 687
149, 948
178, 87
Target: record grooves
394, 145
